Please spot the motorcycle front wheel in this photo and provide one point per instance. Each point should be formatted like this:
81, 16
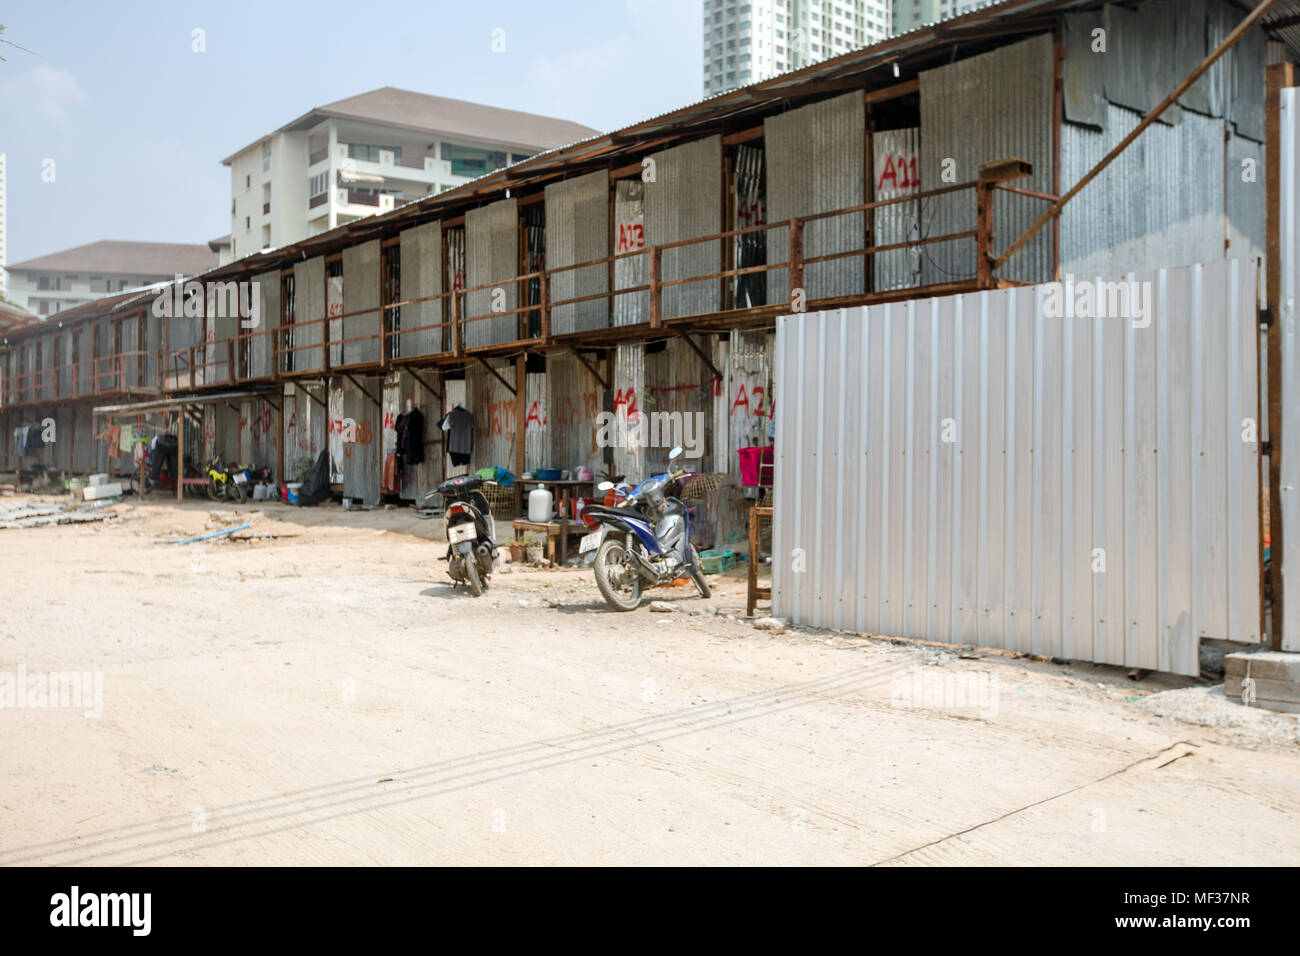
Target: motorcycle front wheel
697, 574
620, 584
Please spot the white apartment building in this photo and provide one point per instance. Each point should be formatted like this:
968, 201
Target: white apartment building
4, 276
750, 40
910, 14
371, 152
49, 284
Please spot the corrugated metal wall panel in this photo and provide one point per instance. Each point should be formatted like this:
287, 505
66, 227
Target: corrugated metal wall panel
492, 255
896, 171
575, 399
267, 286
684, 201
421, 264
65, 363
815, 163
995, 447
82, 438
360, 292
577, 230
493, 407
632, 271
1289, 306
537, 432
1139, 212
221, 326
334, 428
130, 362
363, 458
1244, 176
306, 426
85, 359
985, 108
104, 348
629, 397
309, 306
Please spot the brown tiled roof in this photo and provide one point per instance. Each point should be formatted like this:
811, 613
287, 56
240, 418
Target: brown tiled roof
461, 119
12, 316
113, 257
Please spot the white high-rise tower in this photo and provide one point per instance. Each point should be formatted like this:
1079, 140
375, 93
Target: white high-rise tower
750, 40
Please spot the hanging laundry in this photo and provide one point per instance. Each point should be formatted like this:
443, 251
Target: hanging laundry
459, 426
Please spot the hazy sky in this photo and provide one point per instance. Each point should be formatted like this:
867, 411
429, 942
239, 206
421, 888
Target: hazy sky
137, 123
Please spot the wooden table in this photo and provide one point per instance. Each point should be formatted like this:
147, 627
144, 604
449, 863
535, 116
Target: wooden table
562, 487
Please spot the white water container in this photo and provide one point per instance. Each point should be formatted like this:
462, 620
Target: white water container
541, 505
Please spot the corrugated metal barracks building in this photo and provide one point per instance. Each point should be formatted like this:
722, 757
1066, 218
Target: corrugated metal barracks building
643, 270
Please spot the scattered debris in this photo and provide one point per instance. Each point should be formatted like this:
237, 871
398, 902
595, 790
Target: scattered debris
661, 607
773, 624
207, 537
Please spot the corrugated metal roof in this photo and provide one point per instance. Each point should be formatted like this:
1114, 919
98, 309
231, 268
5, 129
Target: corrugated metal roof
1008, 20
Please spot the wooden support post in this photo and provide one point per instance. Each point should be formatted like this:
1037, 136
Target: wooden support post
984, 234
180, 455
521, 424
544, 289
1058, 116
457, 332
1278, 77
796, 260
656, 307
755, 592
279, 437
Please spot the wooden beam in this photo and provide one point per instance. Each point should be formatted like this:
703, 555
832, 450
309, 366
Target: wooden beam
1054, 210
893, 92
743, 136
592, 369
482, 361
436, 394
307, 392
361, 389
704, 357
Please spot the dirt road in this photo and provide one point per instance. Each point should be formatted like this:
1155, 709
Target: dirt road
325, 697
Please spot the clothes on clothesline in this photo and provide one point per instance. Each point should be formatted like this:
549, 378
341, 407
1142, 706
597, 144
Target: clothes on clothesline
459, 426
28, 439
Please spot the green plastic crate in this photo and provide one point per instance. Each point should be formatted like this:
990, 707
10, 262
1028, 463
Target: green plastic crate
715, 562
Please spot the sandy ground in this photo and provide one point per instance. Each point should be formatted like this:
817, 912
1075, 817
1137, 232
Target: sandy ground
325, 697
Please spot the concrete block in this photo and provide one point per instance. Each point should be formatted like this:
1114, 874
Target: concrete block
95, 492
1271, 665
97, 480
1276, 675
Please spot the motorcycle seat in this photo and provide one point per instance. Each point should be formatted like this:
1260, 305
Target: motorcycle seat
616, 510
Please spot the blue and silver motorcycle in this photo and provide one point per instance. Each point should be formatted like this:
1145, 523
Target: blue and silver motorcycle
644, 542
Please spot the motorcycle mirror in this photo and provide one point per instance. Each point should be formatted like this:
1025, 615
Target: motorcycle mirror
675, 453
605, 486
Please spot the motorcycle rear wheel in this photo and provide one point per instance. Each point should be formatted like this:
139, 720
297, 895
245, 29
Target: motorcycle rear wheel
471, 573
610, 568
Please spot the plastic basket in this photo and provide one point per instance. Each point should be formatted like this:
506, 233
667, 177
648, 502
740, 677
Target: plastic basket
715, 562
